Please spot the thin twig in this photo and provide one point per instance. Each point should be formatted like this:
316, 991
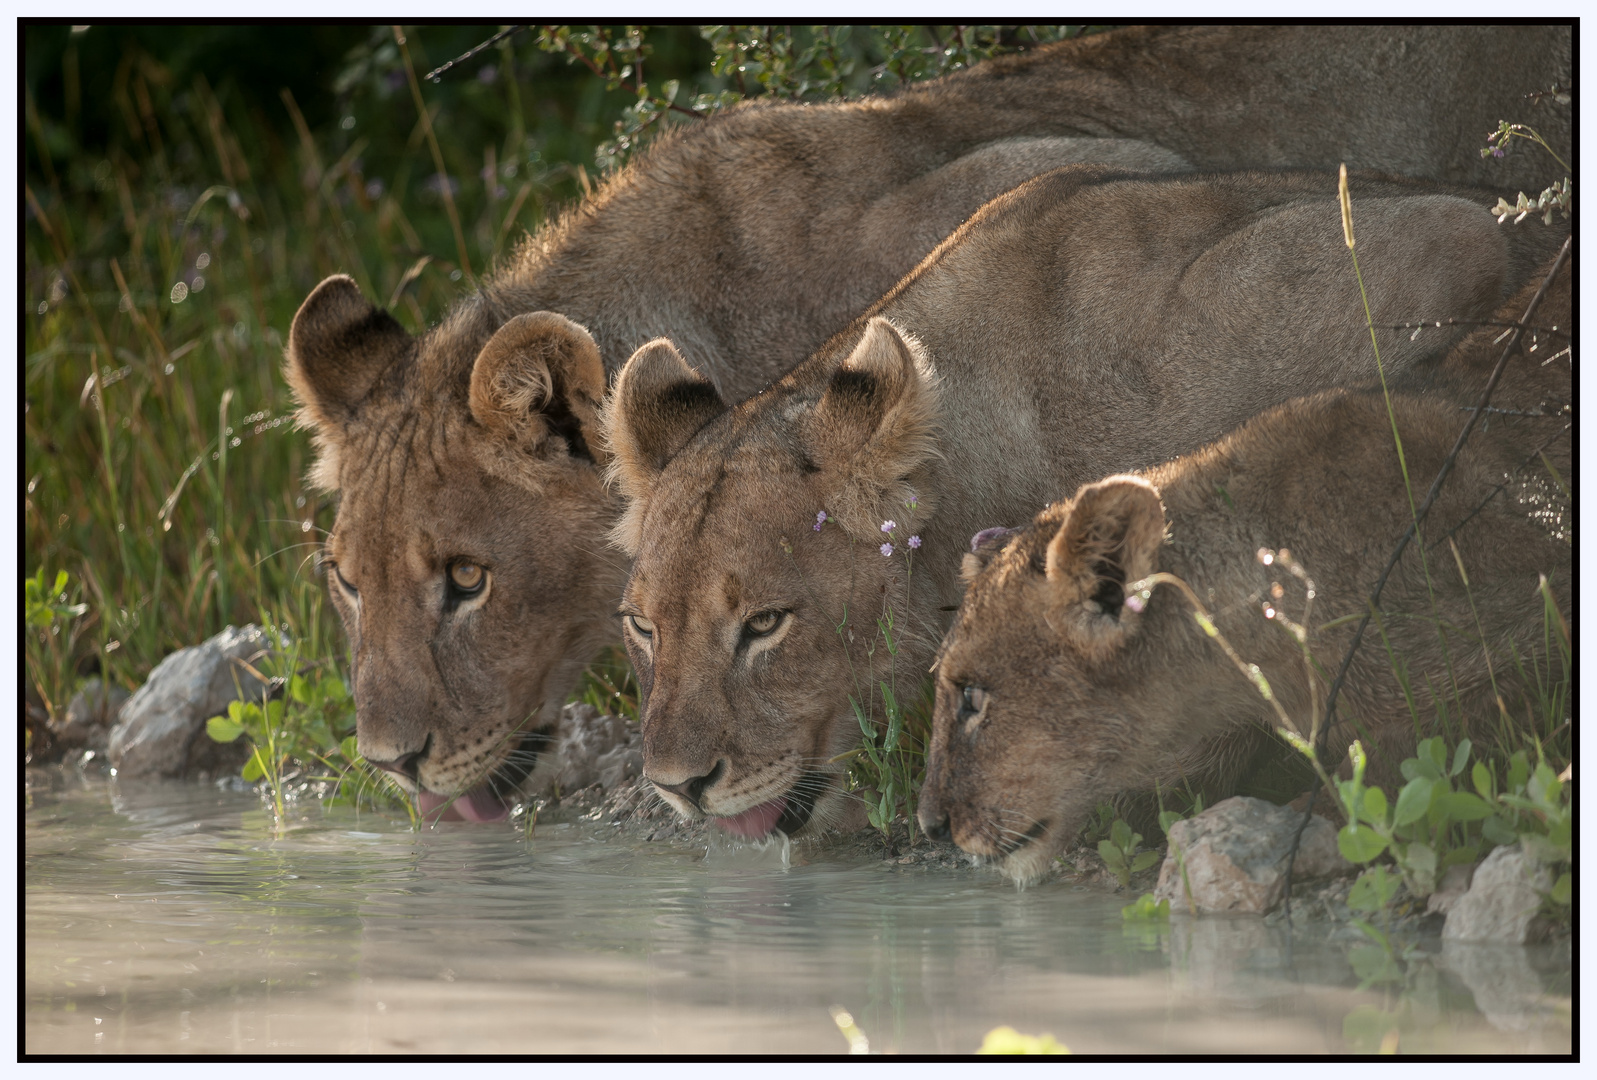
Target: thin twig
436, 74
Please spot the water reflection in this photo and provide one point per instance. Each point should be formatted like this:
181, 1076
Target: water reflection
167, 919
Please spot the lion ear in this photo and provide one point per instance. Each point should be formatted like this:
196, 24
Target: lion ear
538, 384
340, 347
983, 546
660, 403
1109, 539
875, 426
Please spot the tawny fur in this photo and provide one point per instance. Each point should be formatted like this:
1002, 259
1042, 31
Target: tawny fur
1083, 324
752, 237
1083, 704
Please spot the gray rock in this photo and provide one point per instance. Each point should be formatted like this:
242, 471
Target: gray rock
594, 748
1503, 901
89, 716
1451, 889
161, 729
1234, 856
1506, 988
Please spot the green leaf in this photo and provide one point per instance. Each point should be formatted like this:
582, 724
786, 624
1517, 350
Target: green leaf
1563, 889
299, 690
1518, 770
1482, 777
1413, 801
221, 729
1372, 891
1419, 861
1359, 844
349, 749
1146, 909
1499, 830
1112, 856
1168, 818
1120, 833
1460, 758
1374, 808
1143, 861
1436, 750
255, 768
1462, 806
1461, 856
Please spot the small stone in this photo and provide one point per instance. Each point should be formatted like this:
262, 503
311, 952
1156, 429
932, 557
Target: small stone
160, 729
89, 716
1503, 900
1234, 855
594, 748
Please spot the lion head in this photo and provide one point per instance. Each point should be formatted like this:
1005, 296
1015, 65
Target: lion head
761, 569
464, 561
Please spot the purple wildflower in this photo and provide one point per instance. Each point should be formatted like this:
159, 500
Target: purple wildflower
914, 501
820, 519
887, 549
914, 543
889, 526
1135, 602
1498, 152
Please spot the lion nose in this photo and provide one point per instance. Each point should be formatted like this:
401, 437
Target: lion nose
937, 830
693, 787
406, 765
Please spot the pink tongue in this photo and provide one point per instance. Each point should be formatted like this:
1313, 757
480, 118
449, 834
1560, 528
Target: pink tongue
755, 822
478, 805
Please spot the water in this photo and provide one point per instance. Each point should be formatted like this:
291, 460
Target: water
170, 919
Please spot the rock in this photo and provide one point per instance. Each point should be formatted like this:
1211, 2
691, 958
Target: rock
1454, 884
1506, 988
161, 729
1235, 853
594, 749
1503, 900
89, 717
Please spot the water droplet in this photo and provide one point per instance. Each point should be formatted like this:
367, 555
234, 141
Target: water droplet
180, 293
203, 261
44, 305
171, 368
199, 282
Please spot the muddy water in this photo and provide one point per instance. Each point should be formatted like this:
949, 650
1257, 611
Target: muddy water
172, 919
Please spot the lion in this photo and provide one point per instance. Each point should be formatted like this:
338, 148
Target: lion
750, 239
1086, 323
1061, 684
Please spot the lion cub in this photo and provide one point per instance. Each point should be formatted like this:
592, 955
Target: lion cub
1056, 690
1081, 325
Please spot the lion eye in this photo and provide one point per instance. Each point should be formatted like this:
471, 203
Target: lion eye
643, 626
763, 623
972, 700
467, 577
345, 585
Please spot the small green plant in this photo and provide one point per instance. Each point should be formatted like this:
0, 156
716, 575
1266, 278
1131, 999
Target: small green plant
311, 724
1120, 853
46, 613
1433, 825
1146, 909
888, 766
609, 685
